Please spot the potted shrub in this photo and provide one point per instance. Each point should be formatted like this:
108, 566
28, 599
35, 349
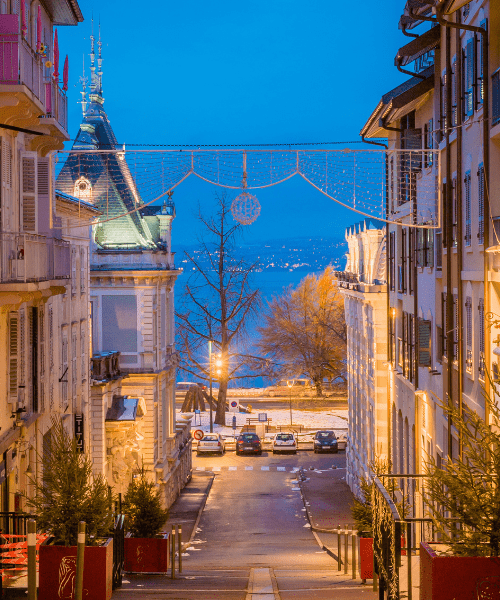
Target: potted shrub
146, 549
463, 499
66, 494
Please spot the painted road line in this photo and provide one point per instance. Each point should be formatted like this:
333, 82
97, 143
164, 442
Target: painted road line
233, 468
215, 468
248, 468
200, 468
281, 468
264, 468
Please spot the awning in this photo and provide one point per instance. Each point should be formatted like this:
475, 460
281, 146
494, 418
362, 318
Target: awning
122, 409
418, 46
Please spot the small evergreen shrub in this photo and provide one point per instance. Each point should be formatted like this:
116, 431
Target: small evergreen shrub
142, 507
68, 492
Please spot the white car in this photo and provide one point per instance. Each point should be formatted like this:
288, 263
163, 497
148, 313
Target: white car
284, 442
211, 442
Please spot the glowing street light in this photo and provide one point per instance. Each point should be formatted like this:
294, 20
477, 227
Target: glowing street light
290, 384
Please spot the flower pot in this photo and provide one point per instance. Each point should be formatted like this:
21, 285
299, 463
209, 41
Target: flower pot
457, 577
147, 555
57, 572
366, 558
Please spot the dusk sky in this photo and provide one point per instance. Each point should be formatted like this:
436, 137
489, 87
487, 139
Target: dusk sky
226, 72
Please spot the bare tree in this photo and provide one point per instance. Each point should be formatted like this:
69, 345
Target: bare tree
218, 302
305, 330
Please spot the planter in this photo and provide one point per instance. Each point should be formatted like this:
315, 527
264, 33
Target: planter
457, 577
147, 555
366, 558
57, 566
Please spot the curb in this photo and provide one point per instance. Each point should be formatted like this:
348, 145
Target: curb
200, 511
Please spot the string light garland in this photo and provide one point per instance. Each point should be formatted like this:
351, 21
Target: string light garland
371, 182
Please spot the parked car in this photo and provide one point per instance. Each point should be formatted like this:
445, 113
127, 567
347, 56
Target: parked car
212, 442
298, 387
284, 442
325, 440
248, 442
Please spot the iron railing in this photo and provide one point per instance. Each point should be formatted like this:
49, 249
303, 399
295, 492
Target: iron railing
105, 366
118, 535
26, 257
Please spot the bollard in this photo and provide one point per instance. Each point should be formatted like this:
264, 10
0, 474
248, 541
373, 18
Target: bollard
31, 559
80, 553
375, 576
179, 546
354, 548
346, 550
339, 550
172, 573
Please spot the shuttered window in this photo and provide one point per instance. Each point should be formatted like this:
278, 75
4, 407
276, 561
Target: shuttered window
468, 230
454, 213
22, 355
73, 270
13, 355
444, 325
64, 372
455, 327
74, 347
6, 191
481, 365
43, 192
480, 204
470, 76
83, 351
28, 186
484, 25
424, 343
454, 119
41, 336
83, 270
443, 105
468, 334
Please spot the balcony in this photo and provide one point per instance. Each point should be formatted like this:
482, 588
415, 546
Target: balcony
106, 366
27, 257
21, 66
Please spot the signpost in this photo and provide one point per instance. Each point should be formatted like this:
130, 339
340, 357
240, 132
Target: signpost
234, 406
197, 412
262, 417
198, 434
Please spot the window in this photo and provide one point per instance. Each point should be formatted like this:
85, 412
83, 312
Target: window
64, 372
454, 212
443, 105
468, 334
119, 323
392, 335
424, 343
444, 325
28, 192
402, 273
6, 174
83, 270
470, 76
480, 207
481, 366
468, 235
466, 10
425, 247
429, 142
13, 351
484, 25
392, 258
73, 270
454, 116
41, 335
438, 237
455, 327
411, 261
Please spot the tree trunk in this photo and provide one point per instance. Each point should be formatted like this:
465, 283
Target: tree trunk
319, 388
220, 415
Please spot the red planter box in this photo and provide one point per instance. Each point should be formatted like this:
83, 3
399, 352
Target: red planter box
57, 566
366, 558
147, 555
457, 577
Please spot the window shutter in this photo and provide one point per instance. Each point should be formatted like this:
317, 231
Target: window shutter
454, 212
455, 327
412, 140
73, 270
28, 186
454, 93
444, 124
470, 77
64, 373
468, 233
444, 325
13, 354
73, 364
83, 269
83, 353
429, 247
22, 355
424, 343
41, 337
484, 25
6, 191
43, 191
480, 208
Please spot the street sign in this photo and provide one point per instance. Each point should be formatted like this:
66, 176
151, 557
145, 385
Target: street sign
198, 434
262, 417
234, 422
234, 405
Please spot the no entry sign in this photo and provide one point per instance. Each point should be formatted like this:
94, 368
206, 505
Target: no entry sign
198, 434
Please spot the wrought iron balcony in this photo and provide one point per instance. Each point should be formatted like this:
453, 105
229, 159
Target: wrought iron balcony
106, 366
27, 257
20, 65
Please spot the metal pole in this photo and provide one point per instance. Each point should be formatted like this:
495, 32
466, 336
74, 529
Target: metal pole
339, 550
375, 576
172, 572
179, 546
210, 379
291, 418
346, 550
31, 559
80, 553
354, 547
408, 555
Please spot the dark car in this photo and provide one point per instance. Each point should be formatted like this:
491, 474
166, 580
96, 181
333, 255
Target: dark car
325, 440
248, 442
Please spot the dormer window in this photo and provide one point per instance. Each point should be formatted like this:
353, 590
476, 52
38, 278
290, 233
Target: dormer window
83, 189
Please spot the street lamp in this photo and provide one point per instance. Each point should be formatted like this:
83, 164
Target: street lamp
289, 383
210, 379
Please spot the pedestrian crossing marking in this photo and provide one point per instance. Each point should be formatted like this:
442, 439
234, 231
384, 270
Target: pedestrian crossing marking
233, 468
281, 468
216, 469
200, 468
264, 468
248, 468
219, 468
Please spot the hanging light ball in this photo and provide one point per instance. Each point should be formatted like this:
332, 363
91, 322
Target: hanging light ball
245, 208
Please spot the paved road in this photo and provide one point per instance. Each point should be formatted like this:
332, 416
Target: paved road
254, 541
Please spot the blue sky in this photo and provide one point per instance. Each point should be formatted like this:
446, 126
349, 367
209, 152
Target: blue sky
226, 72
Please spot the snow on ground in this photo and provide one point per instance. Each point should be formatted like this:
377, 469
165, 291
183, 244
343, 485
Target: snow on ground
330, 418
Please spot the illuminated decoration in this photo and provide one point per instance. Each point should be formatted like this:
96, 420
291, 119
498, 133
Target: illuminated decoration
83, 189
245, 208
379, 184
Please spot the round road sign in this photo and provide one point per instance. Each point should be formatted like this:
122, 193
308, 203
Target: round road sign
234, 404
198, 434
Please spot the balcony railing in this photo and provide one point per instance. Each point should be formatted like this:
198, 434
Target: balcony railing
106, 366
21, 65
27, 257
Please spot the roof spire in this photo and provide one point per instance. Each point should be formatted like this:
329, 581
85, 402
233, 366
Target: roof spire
93, 76
83, 81
99, 61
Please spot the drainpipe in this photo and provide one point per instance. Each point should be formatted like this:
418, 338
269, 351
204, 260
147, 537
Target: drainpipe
486, 164
405, 72
412, 35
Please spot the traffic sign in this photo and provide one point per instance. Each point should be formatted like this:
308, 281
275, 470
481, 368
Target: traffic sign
234, 405
198, 434
234, 422
262, 417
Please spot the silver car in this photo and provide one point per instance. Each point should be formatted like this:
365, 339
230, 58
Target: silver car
212, 442
284, 442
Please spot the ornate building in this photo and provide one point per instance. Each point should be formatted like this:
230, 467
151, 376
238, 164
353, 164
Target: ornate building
364, 286
132, 306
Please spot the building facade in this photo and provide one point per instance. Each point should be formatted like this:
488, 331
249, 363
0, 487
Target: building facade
132, 276
363, 285
44, 285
